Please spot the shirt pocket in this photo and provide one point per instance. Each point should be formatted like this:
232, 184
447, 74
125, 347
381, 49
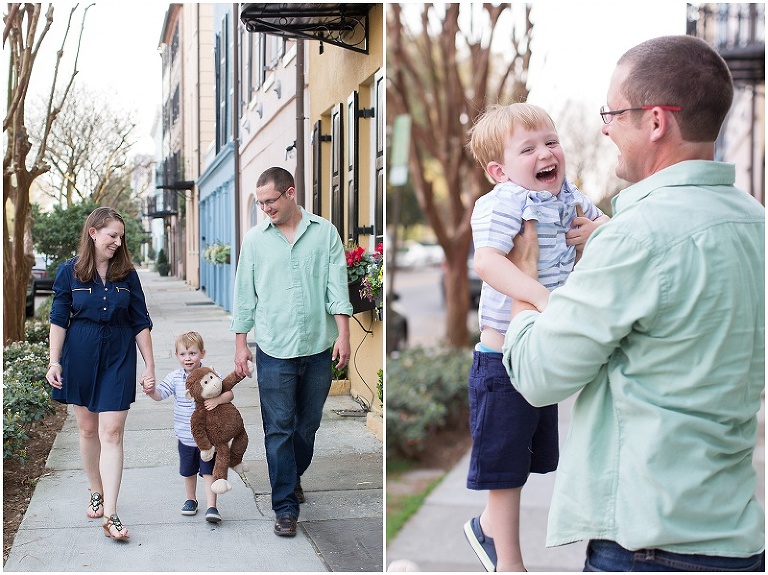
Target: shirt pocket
315, 264
80, 298
122, 297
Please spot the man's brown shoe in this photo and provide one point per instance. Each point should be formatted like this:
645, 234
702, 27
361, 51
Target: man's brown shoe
285, 525
299, 492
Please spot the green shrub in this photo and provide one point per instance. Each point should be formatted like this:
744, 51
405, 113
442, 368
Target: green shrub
161, 265
26, 393
426, 392
14, 437
37, 331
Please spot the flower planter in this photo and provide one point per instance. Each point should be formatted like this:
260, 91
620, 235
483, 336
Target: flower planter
359, 304
339, 387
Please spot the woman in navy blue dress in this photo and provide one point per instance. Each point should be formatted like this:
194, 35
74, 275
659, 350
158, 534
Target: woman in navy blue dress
98, 318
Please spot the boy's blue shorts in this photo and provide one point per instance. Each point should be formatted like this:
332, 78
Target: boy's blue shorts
511, 438
190, 462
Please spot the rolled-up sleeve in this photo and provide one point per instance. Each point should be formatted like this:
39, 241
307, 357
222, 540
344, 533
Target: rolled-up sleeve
138, 312
61, 308
337, 292
245, 297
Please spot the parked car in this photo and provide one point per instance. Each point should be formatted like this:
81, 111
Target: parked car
30, 303
397, 328
417, 255
43, 282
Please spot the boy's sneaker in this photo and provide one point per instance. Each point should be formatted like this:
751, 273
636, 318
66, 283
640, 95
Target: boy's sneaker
212, 515
482, 546
190, 507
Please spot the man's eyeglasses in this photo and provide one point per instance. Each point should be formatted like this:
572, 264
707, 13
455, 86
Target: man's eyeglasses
268, 203
608, 115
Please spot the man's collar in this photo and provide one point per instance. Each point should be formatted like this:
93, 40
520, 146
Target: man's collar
687, 173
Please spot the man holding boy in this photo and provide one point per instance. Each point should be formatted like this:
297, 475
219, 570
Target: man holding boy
661, 331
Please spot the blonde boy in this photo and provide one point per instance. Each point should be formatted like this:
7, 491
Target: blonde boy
190, 350
519, 149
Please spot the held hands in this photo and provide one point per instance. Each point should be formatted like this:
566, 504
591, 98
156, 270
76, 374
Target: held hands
148, 384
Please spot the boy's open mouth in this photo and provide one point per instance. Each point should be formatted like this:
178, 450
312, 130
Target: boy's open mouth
547, 175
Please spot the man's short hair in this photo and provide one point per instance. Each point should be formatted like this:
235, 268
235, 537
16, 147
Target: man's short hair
497, 123
188, 339
280, 177
681, 71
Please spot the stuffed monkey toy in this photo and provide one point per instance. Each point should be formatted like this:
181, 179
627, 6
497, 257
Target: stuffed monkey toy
214, 430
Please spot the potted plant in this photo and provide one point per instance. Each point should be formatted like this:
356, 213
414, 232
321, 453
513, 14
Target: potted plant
162, 266
358, 262
372, 284
340, 384
218, 253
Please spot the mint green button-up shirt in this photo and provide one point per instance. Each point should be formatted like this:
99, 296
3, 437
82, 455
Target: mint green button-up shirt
661, 330
289, 293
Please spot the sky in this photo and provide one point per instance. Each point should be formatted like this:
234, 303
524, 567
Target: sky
576, 45
118, 56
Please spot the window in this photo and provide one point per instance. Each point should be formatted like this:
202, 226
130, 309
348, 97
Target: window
378, 220
221, 53
337, 154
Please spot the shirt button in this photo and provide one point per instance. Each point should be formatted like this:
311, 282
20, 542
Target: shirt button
105, 309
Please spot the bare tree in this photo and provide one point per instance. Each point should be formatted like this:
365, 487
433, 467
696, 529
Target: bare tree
443, 73
590, 157
88, 150
23, 39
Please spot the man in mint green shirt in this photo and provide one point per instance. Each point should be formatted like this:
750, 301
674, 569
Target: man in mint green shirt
660, 329
291, 289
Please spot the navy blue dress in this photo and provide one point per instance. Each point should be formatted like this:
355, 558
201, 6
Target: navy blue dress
99, 355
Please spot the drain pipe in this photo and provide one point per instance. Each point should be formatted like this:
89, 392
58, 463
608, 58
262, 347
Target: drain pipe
236, 128
299, 176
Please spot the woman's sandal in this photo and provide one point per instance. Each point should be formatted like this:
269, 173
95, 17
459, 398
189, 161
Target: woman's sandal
114, 521
97, 506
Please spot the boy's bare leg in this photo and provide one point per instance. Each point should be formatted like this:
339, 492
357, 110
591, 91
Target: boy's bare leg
209, 494
501, 521
190, 486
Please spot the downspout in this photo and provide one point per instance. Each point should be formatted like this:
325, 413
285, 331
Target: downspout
196, 190
299, 176
236, 126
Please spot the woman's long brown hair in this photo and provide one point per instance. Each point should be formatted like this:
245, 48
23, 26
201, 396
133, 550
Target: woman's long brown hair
85, 266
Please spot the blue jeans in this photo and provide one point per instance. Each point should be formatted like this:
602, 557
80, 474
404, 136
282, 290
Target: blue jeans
292, 394
610, 556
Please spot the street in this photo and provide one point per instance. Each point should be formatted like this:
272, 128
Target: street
421, 301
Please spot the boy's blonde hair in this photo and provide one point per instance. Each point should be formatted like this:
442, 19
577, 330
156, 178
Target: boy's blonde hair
497, 123
189, 339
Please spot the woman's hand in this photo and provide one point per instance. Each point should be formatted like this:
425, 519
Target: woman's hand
148, 385
54, 376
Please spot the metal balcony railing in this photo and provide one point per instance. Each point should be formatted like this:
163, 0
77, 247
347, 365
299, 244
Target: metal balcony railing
737, 31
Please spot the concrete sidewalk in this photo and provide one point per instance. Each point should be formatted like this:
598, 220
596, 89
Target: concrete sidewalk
341, 524
434, 540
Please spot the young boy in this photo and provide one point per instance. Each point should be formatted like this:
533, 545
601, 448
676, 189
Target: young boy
190, 350
519, 148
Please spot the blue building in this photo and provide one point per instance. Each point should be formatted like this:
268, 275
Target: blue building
217, 182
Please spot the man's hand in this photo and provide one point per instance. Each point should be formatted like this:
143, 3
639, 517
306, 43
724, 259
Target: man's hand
525, 255
243, 355
525, 252
341, 350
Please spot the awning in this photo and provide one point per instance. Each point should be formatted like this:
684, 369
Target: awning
343, 25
